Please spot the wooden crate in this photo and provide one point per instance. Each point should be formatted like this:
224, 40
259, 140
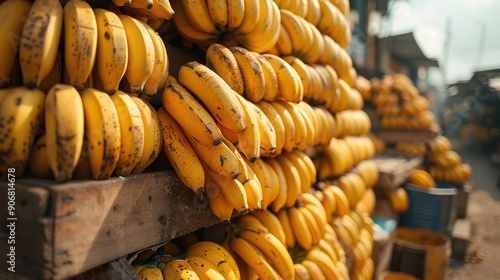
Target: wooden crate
65, 229
395, 168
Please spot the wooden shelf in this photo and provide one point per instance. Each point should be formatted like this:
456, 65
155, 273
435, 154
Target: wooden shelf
65, 229
395, 168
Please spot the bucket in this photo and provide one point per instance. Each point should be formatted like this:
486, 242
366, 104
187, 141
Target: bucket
393, 275
430, 208
422, 253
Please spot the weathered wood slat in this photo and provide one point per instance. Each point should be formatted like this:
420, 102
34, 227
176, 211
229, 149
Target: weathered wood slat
395, 168
80, 225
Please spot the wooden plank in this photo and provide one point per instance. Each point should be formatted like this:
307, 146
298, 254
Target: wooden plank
33, 234
395, 168
119, 269
76, 226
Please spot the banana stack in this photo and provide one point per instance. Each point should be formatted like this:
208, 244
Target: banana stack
444, 164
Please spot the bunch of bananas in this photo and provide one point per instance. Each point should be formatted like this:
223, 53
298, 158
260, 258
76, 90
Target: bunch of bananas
201, 260
411, 147
421, 178
99, 48
251, 24
150, 9
342, 154
352, 122
398, 199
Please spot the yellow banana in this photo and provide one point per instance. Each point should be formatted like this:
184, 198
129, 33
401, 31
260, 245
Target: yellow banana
312, 225
342, 202
289, 124
82, 169
236, 13
132, 132
300, 229
161, 64
313, 12
264, 178
40, 40
38, 163
294, 28
251, 72
250, 16
21, 112
299, 123
152, 135
102, 132
266, 131
199, 15
151, 273
272, 249
219, 13
290, 85
301, 272
191, 115
218, 256
244, 173
313, 270
284, 219
304, 73
13, 14
214, 93
293, 180
281, 198
219, 205
284, 43
274, 182
112, 51
64, 130
121, 3
327, 248
254, 258
253, 189
232, 189
222, 61
179, 269
184, 26
219, 158
329, 202
270, 78
179, 153
327, 266
204, 269
249, 140
277, 124
80, 41
264, 36
141, 53
309, 164
272, 223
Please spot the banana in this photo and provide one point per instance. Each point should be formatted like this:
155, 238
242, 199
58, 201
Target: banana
204, 269
199, 15
80, 41
161, 63
179, 153
313, 270
141, 4
309, 164
250, 16
271, 247
313, 12
327, 266
301, 272
264, 36
293, 180
54, 77
289, 124
312, 225
222, 61
329, 202
253, 189
218, 256
284, 43
214, 93
244, 173
290, 85
274, 182
179, 269
249, 140
272, 223
301, 127
132, 132
191, 115
303, 72
260, 170
294, 28
277, 124
21, 112
342, 202
184, 26
236, 12
281, 198
40, 40
102, 132
291, 238
270, 78
219, 205
82, 169
64, 139
254, 258
13, 14
121, 3
219, 13
266, 131
246, 221
233, 190
299, 226
141, 53
252, 74
38, 163
151, 273
152, 135
219, 158
112, 50
326, 247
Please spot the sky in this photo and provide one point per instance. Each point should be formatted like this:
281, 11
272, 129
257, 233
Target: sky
467, 20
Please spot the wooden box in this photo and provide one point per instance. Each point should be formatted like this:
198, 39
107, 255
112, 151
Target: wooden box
65, 229
395, 168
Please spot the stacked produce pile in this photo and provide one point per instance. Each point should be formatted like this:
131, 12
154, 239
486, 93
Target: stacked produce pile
270, 124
